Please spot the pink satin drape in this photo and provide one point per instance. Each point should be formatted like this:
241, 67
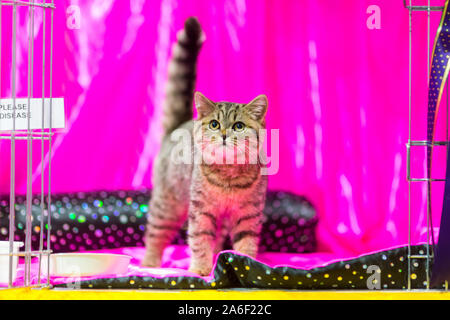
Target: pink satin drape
338, 93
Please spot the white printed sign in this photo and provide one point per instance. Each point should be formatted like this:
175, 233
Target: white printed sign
21, 112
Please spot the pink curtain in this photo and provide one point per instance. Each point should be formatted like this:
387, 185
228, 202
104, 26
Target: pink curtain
338, 93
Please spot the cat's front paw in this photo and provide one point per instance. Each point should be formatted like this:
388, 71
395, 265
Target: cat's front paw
151, 261
202, 271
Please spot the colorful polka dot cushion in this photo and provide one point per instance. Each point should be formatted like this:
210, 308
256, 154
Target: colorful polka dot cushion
102, 220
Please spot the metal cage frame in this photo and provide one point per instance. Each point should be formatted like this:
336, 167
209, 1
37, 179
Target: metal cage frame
44, 135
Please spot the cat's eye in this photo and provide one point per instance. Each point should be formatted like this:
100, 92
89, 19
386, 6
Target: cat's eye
214, 125
238, 126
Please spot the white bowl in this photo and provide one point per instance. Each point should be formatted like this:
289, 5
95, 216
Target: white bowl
4, 260
88, 264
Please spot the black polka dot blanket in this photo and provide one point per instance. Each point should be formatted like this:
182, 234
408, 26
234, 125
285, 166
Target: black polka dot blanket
114, 222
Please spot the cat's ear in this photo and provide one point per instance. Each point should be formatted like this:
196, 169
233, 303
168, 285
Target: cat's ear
203, 104
257, 108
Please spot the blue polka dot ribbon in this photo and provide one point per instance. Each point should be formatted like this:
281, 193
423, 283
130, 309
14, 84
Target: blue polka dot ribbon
440, 67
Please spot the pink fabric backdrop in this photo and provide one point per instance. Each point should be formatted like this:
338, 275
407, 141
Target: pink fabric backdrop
338, 92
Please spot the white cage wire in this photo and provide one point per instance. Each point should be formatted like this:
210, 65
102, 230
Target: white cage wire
9, 11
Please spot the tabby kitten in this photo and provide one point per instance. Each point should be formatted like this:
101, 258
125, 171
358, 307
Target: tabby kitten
216, 197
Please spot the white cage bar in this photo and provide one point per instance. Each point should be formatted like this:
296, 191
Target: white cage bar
44, 135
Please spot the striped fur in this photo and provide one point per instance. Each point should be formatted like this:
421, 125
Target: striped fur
217, 200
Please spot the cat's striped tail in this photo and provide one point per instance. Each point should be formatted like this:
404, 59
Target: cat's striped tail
182, 76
